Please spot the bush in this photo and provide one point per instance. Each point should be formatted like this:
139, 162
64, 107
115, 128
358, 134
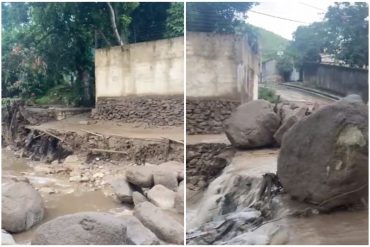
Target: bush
268, 94
62, 94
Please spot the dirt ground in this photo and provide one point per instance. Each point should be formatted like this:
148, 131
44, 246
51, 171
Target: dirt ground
82, 124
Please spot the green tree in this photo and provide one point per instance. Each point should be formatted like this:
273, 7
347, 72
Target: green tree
343, 33
175, 20
215, 17
348, 32
51, 45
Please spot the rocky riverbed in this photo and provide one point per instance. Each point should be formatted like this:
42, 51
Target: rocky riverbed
77, 191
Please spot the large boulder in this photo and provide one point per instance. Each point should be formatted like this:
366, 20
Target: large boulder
137, 233
22, 207
141, 176
324, 158
87, 228
252, 125
296, 116
160, 223
162, 196
123, 190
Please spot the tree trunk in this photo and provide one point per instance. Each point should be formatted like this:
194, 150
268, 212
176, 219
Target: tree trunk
84, 78
114, 26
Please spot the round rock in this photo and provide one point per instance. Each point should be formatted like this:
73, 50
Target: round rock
324, 158
22, 207
252, 125
87, 228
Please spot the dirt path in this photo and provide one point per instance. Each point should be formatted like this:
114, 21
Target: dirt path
78, 124
297, 96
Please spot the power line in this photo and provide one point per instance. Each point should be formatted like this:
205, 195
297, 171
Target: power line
311, 6
278, 17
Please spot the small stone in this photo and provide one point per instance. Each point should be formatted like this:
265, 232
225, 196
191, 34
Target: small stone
137, 198
162, 196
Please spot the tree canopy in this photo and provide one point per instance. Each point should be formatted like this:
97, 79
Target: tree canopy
343, 33
215, 17
51, 45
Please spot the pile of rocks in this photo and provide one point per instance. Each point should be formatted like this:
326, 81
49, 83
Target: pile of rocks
160, 184
206, 115
261, 124
153, 110
204, 162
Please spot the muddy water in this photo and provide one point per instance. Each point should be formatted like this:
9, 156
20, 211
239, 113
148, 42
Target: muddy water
342, 227
67, 200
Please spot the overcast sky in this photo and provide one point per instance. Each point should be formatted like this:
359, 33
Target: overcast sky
306, 11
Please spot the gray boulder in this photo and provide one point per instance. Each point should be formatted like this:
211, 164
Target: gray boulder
166, 178
87, 228
296, 116
324, 158
141, 176
137, 233
162, 196
179, 199
173, 166
137, 198
252, 125
22, 207
123, 190
160, 223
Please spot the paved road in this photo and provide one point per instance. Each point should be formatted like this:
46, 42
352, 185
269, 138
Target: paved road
294, 95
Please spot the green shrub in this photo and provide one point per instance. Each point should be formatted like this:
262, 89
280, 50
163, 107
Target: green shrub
62, 94
268, 94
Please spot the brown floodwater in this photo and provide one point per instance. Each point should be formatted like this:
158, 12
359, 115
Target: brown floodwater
68, 200
340, 227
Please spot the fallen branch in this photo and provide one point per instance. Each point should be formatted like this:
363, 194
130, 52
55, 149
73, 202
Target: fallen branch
173, 140
50, 134
90, 132
107, 151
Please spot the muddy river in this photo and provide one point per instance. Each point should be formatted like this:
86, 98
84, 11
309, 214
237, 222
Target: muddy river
341, 227
68, 199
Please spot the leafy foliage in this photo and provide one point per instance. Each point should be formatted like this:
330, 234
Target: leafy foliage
343, 33
268, 94
348, 29
215, 17
50, 46
175, 20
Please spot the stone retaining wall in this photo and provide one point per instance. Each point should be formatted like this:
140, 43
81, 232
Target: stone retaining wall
206, 115
154, 110
204, 162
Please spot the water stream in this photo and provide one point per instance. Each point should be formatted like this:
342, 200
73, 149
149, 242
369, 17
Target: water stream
340, 227
69, 199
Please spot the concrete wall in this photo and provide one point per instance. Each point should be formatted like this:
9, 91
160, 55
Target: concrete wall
220, 65
269, 70
337, 79
147, 68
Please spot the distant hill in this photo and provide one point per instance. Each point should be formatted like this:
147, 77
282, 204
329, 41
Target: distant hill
270, 43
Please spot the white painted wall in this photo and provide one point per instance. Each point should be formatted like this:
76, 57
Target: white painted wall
221, 65
147, 68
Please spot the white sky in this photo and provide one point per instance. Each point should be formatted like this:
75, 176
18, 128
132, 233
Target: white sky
296, 10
